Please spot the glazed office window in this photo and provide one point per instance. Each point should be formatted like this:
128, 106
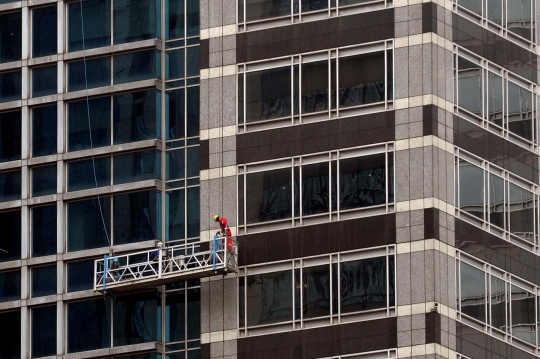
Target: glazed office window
145, 308
315, 86
44, 230
182, 62
98, 73
44, 31
495, 99
97, 24
136, 166
136, 66
44, 180
10, 186
10, 136
10, 86
136, 20
80, 275
183, 213
10, 36
78, 124
11, 234
81, 173
10, 286
345, 288
85, 228
136, 116
44, 331
182, 113
316, 186
44, 80
10, 335
44, 130
88, 325
43, 281
181, 19
183, 327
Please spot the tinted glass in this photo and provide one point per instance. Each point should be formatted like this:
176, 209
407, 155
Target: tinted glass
472, 5
266, 9
100, 123
316, 291
85, 224
80, 275
314, 5
176, 216
315, 189
471, 189
43, 180
44, 31
97, 24
268, 94
81, 173
174, 26
361, 79
193, 18
269, 298
523, 315
269, 196
519, 14
135, 20
193, 161
495, 11
498, 303
10, 286
315, 87
519, 111
10, 223
496, 200
473, 292
10, 86
179, 315
193, 111
175, 64
136, 217
136, 66
494, 94
136, 116
10, 136
44, 331
44, 81
43, 281
137, 166
10, 186
44, 133
175, 114
175, 161
193, 61
10, 36
521, 212
44, 230
193, 212
88, 325
10, 335
469, 86
98, 74
137, 319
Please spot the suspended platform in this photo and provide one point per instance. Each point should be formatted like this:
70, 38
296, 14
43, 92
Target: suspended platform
129, 272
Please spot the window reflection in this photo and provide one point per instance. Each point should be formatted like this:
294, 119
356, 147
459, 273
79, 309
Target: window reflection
97, 24
136, 116
495, 11
44, 281
362, 182
88, 325
361, 79
137, 166
80, 275
496, 201
10, 36
44, 331
266, 9
78, 124
521, 213
315, 189
315, 86
519, 14
523, 315
44, 180
498, 303
470, 86
136, 319
136, 20
269, 298
81, 173
316, 291
269, 196
44, 81
268, 94
98, 74
520, 111
136, 217
495, 98
136, 66
471, 185
472, 5
473, 292
85, 225
44, 30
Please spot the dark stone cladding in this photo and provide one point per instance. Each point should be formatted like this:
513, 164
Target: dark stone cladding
495, 149
496, 251
475, 344
493, 47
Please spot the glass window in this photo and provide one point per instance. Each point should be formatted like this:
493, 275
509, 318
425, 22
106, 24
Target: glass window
44, 331
44, 130
266, 9
80, 275
520, 20
523, 315
193, 61
496, 200
176, 215
269, 298
268, 94
44, 230
473, 292
86, 225
495, 11
44, 180
472, 5
137, 116
175, 114
81, 173
471, 189
315, 189
175, 64
193, 161
10, 222
469, 86
494, 98
175, 163
44, 281
175, 22
136, 20
10, 286
520, 111
316, 289
136, 66
314, 5
44, 81
10, 86
10, 36
498, 303
362, 79
268, 196
10, 136
100, 122
97, 24
10, 186
44, 30
193, 111
98, 74
137, 318
193, 18
88, 325
10, 335
137, 166
136, 217
315, 86
183, 307
521, 212
193, 214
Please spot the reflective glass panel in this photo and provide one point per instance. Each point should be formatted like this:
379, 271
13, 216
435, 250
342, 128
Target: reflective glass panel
44, 130
97, 24
471, 189
520, 111
268, 196
137, 166
10, 222
469, 86
266, 9
520, 19
314, 5
268, 94
315, 188
176, 216
44, 30
495, 11
43, 281
361, 79
175, 114
193, 62
10, 286
496, 200
136, 66
10, 86
136, 217
472, 5
473, 292
175, 164
44, 230
315, 86
81, 173
98, 74
193, 111
44, 180
80, 275
137, 318
44, 81
523, 315
44, 331
85, 224
269, 298
10, 186
175, 64
193, 212
494, 98
136, 116
88, 325
10, 335
521, 213
10, 36
498, 303
316, 291
175, 22
193, 161
135, 20
175, 325
100, 122
10, 136
193, 18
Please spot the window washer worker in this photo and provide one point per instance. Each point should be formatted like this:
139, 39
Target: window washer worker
225, 231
